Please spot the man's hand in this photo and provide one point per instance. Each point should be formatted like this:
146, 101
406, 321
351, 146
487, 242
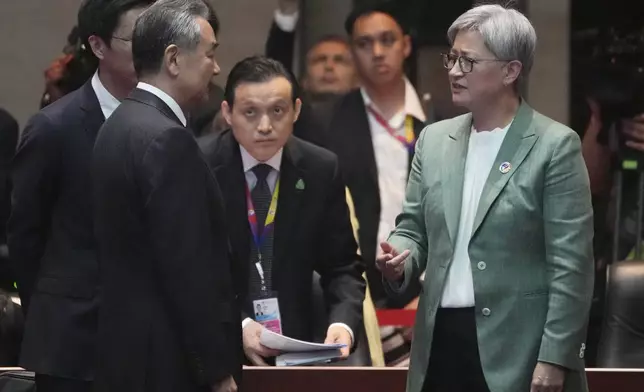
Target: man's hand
227, 385
254, 350
338, 334
547, 378
390, 263
289, 7
634, 131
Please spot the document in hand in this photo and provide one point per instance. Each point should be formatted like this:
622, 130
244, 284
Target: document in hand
297, 352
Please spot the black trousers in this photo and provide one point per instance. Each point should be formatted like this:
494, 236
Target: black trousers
45, 383
454, 364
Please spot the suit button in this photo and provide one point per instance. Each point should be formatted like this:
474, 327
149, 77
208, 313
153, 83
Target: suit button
486, 312
481, 265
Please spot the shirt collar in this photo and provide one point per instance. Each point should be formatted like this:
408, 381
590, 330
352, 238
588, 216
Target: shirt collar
106, 100
168, 100
412, 106
249, 162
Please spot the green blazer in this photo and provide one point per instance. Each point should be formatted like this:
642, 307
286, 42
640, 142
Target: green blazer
531, 248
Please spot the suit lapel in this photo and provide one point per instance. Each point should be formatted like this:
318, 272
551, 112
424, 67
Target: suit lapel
359, 129
230, 175
292, 191
94, 117
453, 171
515, 147
418, 127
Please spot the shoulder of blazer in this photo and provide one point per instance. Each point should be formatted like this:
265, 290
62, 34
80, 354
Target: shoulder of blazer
72, 105
546, 127
446, 127
310, 157
218, 147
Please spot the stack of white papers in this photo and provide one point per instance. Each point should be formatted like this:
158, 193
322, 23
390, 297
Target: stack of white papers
298, 352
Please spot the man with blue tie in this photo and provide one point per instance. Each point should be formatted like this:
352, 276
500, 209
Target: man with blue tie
287, 213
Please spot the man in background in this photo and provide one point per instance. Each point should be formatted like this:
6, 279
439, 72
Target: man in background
329, 66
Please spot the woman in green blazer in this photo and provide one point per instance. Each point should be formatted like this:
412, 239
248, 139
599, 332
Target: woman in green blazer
498, 215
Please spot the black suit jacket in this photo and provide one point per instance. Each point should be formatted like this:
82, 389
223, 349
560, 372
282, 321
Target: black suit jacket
349, 136
169, 320
312, 233
8, 140
50, 236
280, 45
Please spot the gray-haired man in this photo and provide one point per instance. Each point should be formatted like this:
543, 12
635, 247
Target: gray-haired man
169, 320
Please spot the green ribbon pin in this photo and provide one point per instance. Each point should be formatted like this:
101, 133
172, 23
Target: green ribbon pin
299, 185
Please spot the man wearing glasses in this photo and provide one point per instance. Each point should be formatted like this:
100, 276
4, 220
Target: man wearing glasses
498, 214
50, 231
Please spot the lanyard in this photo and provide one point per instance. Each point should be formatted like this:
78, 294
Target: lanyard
407, 140
259, 236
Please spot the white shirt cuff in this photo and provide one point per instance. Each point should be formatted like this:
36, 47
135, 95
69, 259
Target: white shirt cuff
246, 321
343, 325
286, 22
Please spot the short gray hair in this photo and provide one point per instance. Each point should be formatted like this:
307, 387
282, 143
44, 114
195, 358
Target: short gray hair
165, 23
507, 33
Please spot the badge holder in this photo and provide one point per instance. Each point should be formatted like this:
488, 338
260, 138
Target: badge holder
266, 308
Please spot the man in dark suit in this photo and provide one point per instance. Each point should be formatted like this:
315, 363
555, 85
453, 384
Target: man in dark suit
50, 229
373, 131
287, 212
168, 320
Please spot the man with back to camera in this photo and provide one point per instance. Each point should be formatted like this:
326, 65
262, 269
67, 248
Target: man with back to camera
169, 319
50, 239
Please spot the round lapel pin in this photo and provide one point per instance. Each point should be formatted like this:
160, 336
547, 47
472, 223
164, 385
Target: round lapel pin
505, 167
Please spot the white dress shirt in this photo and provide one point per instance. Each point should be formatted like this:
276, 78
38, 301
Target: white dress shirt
392, 159
106, 100
482, 150
168, 100
248, 163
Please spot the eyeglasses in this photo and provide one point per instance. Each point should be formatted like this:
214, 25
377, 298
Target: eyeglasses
122, 39
465, 63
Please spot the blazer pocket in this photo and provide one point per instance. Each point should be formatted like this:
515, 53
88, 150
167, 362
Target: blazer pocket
536, 293
66, 287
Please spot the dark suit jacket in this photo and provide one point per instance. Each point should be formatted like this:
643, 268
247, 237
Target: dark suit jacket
312, 233
280, 46
8, 140
169, 320
50, 236
349, 136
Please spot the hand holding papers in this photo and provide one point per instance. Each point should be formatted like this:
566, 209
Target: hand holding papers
297, 352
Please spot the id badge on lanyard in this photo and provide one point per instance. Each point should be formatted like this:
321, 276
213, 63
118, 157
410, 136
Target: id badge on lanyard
265, 308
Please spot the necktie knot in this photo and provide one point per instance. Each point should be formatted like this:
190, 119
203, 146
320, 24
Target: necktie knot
261, 171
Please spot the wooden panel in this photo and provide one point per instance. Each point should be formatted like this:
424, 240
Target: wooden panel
326, 379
